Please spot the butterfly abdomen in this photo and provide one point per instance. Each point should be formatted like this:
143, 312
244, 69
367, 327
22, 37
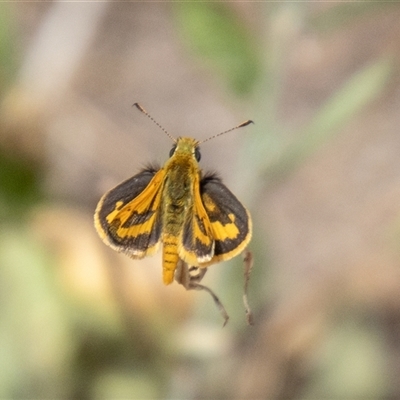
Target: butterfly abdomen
173, 220
170, 257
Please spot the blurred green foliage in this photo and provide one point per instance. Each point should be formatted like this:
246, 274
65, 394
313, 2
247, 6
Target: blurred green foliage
35, 344
351, 362
19, 178
215, 34
348, 100
19, 187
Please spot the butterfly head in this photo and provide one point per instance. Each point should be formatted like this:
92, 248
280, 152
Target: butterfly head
185, 146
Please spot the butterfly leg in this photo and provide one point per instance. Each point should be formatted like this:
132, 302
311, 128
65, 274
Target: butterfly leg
189, 277
248, 265
199, 276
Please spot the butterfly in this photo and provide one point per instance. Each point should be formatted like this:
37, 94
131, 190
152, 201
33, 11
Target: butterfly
196, 219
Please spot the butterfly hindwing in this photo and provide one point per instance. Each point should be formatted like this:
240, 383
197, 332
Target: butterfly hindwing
230, 221
127, 217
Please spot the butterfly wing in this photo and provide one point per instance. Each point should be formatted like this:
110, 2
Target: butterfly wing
127, 217
197, 242
219, 227
230, 221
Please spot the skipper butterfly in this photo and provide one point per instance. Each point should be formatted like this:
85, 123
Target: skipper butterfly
193, 215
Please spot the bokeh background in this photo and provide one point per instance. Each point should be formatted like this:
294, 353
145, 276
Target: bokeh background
319, 171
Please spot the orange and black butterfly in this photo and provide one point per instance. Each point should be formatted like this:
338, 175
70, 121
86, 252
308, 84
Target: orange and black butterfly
194, 216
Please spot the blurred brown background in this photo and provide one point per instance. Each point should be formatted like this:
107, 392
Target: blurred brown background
319, 171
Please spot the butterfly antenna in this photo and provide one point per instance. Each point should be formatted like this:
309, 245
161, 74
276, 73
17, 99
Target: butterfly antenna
140, 108
248, 122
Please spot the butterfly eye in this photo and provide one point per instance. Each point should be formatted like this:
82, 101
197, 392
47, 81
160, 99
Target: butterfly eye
197, 153
172, 151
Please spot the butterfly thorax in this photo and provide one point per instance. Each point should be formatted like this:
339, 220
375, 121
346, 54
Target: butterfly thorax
180, 172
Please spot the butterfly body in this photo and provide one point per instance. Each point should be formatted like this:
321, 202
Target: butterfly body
177, 201
194, 216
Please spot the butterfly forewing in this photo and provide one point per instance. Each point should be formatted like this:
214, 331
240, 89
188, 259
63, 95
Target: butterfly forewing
127, 217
